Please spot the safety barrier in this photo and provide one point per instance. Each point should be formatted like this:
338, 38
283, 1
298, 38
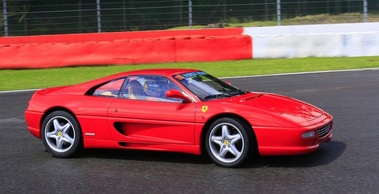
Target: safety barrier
124, 48
98, 37
326, 40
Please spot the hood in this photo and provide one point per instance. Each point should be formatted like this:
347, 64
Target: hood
282, 106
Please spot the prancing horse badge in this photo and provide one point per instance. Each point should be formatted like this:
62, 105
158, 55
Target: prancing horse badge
204, 109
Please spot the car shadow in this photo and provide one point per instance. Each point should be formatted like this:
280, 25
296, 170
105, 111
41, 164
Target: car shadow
140, 155
326, 154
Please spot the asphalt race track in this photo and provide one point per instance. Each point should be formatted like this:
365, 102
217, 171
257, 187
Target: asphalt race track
347, 164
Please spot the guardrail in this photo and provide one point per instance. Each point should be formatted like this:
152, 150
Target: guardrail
124, 48
328, 40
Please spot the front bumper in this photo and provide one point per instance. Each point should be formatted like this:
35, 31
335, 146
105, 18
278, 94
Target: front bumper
289, 141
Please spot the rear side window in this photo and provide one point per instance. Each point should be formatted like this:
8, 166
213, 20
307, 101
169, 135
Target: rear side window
109, 89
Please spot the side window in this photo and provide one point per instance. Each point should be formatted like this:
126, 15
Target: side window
133, 88
109, 89
149, 88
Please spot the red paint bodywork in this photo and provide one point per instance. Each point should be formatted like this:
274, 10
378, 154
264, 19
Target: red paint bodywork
278, 122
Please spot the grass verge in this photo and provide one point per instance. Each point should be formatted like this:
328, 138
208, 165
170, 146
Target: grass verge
300, 20
42, 78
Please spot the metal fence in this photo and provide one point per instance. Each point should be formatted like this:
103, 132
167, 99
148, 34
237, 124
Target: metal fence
36, 17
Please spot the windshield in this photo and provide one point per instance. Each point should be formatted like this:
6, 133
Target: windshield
207, 87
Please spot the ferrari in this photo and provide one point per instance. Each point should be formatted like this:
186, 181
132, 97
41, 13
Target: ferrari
175, 110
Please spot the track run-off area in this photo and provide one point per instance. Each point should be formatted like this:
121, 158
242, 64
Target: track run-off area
347, 164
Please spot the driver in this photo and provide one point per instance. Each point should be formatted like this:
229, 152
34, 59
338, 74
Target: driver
155, 88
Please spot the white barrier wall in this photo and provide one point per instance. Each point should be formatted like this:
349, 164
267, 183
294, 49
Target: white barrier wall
329, 40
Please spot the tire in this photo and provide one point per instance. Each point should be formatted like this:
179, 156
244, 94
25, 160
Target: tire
61, 134
229, 142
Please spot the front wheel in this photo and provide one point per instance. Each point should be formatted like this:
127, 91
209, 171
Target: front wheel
61, 134
228, 142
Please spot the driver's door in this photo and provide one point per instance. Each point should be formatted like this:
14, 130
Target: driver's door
140, 121
159, 121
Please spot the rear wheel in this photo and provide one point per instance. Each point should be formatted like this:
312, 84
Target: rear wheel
228, 142
61, 134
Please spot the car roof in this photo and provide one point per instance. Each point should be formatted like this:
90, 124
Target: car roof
158, 72
162, 72
82, 88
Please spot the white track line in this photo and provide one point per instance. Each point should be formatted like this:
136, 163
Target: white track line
14, 91
301, 73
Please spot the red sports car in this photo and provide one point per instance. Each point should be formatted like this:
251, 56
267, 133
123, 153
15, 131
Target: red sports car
178, 110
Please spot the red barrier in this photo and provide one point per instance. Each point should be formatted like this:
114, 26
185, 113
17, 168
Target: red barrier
213, 48
118, 35
182, 48
135, 51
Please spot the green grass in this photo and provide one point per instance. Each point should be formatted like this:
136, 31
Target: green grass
42, 78
300, 20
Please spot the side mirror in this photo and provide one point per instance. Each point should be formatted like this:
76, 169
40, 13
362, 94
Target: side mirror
178, 94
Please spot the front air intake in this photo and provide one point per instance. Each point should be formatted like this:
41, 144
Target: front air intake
323, 131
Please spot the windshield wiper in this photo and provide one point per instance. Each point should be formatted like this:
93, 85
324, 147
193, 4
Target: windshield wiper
221, 95
238, 92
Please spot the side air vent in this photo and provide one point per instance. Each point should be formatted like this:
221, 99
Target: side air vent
118, 127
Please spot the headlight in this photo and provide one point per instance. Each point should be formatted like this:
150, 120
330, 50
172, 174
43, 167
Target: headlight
308, 134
